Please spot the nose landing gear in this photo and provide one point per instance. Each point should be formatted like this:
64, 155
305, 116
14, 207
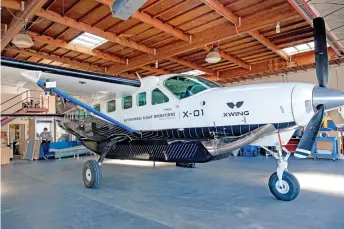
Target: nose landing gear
282, 184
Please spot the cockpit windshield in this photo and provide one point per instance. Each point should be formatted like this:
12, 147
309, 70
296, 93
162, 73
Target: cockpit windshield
184, 86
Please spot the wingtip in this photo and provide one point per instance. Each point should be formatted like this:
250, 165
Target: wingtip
33, 76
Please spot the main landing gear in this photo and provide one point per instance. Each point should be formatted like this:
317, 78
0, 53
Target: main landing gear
91, 171
282, 184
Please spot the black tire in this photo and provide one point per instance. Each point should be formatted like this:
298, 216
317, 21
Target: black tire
91, 174
287, 193
186, 165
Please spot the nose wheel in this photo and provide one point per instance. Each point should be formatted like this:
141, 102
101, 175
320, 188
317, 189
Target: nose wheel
282, 184
287, 189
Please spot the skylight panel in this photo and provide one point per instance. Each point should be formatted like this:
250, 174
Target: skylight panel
194, 73
88, 40
290, 50
300, 48
303, 47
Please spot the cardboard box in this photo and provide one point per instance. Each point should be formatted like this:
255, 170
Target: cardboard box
5, 155
22, 149
36, 149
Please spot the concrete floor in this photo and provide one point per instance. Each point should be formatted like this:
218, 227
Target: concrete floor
231, 193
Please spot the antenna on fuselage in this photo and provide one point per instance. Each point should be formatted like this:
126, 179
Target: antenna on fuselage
138, 76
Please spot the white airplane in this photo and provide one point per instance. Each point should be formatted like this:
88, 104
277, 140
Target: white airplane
187, 119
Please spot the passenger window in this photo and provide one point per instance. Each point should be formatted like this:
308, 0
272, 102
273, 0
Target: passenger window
97, 107
141, 99
111, 106
158, 97
127, 102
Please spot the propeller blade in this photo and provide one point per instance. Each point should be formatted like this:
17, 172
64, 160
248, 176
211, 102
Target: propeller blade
306, 143
320, 48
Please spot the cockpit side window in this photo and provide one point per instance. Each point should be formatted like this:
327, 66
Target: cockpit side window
185, 86
158, 97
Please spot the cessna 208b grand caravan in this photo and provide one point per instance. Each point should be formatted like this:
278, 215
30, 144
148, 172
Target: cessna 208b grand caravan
187, 119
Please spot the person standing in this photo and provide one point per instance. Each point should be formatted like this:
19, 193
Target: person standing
45, 141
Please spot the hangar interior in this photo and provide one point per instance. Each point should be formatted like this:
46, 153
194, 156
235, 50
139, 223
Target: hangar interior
101, 77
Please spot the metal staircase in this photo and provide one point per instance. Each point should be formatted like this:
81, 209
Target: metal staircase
23, 103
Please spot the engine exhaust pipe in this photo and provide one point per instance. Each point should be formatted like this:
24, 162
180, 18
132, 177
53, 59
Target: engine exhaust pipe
215, 147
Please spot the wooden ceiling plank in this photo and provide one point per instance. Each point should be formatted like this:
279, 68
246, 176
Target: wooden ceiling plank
154, 22
169, 9
77, 48
228, 14
212, 35
47, 56
52, 16
18, 22
229, 57
193, 65
265, 41
275, 65
155, 70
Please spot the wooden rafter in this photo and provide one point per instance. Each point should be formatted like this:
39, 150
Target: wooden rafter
193, 66
52, 16
229, 15
229, 57
55, 17
156, 70
154, 22
102, 55
273, 65
62, 44
212, 35
64, 60
19, 21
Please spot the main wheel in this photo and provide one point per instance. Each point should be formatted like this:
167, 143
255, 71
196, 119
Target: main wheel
91, 174
186, 165
290, 188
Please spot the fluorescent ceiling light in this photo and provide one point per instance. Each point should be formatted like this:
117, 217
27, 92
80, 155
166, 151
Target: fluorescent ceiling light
194, 73
88, 40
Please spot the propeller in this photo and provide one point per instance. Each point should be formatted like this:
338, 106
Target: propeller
306, 143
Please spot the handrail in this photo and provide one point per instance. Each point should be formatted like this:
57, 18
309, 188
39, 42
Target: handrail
21, 101
18, 95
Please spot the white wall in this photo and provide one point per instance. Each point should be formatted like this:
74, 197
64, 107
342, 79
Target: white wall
336, 78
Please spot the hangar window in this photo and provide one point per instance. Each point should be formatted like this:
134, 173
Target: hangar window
141, 99
111, 106
127, 102
184, 86
158, 97
97, 107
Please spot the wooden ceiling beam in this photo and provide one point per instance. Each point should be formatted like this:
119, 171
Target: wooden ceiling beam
156, 23
274, 65
64, 60
229, 57
156, 70
55, 17
52, 16
270, 16
193, 65
11, 4
18, 22
267, 43
62, 44
229, 15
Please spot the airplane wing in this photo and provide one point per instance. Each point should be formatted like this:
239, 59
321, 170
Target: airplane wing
71, 84
81, 84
